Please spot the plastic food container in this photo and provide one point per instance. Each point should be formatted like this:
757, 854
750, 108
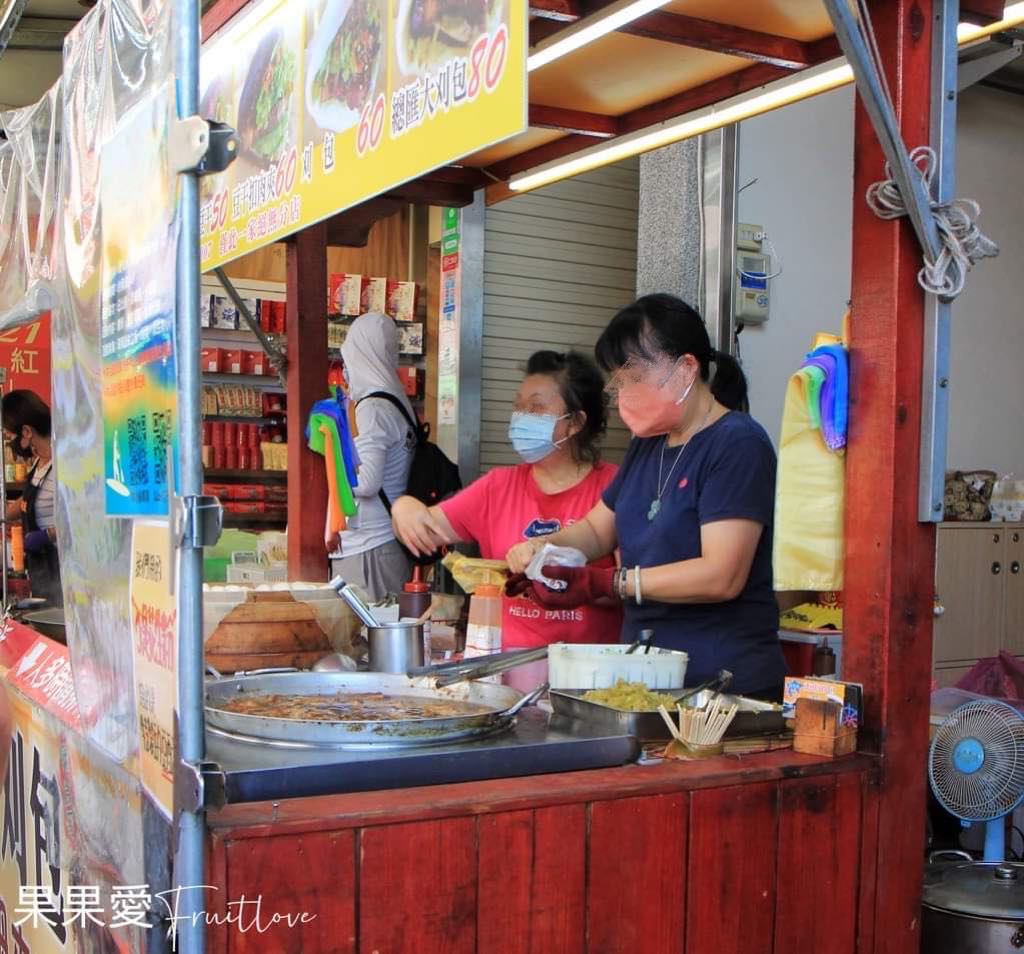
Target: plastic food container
599, 666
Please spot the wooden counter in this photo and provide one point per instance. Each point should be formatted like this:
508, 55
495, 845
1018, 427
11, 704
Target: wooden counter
751, 854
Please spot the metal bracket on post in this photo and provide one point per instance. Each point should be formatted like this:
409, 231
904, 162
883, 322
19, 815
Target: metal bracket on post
278, 359
198, 521
201, 146
199, 786
937, 312
872, 93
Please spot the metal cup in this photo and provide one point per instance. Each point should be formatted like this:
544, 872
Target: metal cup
395, 647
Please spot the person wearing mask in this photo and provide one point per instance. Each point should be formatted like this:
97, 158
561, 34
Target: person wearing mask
27, 426
559, 415
690, 510
369, 555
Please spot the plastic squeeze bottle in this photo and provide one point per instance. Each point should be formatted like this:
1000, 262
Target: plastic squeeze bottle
483, 633
413, 602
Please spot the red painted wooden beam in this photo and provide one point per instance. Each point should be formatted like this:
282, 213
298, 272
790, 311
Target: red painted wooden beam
306, 259
983, 12
566, 11
721, 38
218, 14
573, 121
890, 557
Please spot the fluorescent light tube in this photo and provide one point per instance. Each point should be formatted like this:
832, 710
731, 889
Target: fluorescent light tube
782, 92
789, 89
588, 29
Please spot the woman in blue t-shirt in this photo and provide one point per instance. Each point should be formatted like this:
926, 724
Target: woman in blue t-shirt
691, 508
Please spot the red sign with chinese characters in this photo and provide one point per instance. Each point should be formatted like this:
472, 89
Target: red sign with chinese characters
25, 354
43, 674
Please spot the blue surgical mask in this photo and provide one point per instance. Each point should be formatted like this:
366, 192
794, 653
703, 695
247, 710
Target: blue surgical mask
533, 435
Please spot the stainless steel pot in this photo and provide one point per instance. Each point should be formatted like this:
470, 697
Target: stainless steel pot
973, 908
395, 647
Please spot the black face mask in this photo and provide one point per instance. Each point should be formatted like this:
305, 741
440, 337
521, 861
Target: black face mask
18, 450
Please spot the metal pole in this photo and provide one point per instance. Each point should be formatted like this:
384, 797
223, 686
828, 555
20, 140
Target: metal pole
720, 157
876, 103
937, 313
189, 870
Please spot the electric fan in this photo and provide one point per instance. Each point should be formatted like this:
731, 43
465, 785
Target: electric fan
976, 767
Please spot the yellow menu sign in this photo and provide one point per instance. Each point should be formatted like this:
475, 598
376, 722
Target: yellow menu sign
336, 101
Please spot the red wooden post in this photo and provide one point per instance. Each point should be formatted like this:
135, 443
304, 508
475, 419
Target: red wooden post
307, 383
890, 557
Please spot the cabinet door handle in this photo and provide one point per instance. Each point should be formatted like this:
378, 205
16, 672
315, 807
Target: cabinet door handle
1015, 567
997, 568
1016, 538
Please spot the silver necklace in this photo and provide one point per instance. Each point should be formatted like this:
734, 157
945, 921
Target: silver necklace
655, 507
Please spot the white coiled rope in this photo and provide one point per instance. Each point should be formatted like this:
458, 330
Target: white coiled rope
963, 244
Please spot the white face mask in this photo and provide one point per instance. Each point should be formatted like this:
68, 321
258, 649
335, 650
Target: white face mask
532, 435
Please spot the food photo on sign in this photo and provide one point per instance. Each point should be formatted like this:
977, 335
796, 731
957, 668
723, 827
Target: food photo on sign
267, 119
345, 63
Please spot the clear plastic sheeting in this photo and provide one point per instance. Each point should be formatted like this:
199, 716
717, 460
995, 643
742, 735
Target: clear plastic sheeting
118, 57
28, 192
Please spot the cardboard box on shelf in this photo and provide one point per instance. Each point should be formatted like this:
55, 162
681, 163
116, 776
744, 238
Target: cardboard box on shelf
255, 362
411, 338
232, 360
412, 380
210, 360
345, 294
375, 293
205, 306
401, 300
337, 331
224, 315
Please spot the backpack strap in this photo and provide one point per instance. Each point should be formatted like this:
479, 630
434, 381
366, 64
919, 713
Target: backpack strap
390, 398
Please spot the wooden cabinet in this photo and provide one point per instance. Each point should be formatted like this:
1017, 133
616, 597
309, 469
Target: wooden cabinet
1014, 628
980, 584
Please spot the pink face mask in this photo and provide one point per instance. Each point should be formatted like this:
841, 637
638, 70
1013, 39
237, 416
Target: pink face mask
649, 410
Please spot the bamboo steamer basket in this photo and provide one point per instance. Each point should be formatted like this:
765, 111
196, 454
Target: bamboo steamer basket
267, 630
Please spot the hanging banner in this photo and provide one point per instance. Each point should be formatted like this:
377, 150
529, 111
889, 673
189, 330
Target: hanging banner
448, 328
25, 355
337, 101
154, 617
34, 873
137, 334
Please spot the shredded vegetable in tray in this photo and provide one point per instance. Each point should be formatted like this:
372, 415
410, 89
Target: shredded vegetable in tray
629, 697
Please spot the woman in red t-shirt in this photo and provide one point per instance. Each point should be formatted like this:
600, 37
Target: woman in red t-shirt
559, 414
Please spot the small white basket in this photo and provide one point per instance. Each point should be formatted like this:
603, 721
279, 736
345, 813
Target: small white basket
600, 666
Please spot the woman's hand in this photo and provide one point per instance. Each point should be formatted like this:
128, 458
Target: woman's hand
519, 557
418, 527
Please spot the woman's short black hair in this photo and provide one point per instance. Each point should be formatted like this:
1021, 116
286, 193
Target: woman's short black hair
582, 388
26, 407
665, 325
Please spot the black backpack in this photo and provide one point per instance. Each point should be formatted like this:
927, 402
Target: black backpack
432, 476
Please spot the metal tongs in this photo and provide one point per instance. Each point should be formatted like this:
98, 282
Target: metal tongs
479, 666
716, 685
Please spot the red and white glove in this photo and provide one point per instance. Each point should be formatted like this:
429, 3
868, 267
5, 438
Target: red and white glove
587, 584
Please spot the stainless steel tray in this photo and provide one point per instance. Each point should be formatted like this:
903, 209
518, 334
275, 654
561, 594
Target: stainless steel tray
754, 717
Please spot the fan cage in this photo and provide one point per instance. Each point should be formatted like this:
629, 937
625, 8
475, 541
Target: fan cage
997, 787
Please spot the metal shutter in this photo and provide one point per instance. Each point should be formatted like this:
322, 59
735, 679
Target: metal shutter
558, 263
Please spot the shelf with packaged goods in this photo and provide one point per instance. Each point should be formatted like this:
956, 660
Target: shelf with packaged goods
264, 382
274, 421
246, 476
244, 521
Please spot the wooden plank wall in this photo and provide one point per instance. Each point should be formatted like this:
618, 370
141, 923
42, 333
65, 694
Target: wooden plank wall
386, 254
766, 868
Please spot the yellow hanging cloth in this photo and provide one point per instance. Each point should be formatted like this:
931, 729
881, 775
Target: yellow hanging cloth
809, 497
